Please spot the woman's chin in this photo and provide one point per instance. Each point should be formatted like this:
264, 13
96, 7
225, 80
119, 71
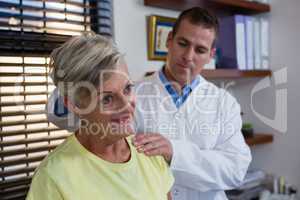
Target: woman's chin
122, 129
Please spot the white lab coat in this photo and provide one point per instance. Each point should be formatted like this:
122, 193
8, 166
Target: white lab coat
209, 151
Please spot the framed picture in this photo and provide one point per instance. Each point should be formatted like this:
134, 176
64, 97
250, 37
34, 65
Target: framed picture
158, 30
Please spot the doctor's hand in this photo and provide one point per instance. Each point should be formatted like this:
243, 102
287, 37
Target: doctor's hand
153, 144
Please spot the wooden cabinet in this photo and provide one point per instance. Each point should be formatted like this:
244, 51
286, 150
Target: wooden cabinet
234, 73
259, 138
233, 6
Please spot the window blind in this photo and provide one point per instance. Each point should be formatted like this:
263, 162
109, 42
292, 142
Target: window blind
29, 30
26, 135
40, 25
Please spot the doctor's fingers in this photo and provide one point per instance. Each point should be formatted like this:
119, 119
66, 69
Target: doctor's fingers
142, 139
155, 152
161, 147
156, 144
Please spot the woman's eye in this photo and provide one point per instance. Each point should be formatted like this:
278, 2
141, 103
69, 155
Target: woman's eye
107, 100
128, 89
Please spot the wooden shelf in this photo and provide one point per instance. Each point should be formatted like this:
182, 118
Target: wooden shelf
259, 138
234, 6
234, 73
230, 73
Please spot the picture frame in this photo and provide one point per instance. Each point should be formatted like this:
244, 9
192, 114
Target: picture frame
158, 30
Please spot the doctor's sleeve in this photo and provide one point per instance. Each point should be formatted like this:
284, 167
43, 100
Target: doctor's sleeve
43, 187
222, 167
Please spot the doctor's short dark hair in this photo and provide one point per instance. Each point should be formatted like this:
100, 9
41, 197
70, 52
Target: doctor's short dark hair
198, 16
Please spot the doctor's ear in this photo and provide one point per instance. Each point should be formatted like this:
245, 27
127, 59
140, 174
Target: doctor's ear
169, 39
212, 53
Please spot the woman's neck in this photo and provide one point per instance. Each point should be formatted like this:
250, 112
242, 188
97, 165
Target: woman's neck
115, 150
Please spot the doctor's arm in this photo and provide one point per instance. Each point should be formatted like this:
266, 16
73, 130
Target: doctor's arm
222, 167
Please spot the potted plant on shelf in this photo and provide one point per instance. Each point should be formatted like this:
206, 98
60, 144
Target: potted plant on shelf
247, 130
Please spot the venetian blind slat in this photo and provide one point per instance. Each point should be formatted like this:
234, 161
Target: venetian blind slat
20, 161
34, 140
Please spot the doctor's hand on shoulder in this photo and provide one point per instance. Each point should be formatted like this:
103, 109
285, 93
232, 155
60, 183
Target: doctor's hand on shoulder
153, 144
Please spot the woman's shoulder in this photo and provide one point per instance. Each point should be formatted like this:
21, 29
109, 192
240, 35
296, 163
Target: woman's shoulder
55, 161
154, 168
155, 161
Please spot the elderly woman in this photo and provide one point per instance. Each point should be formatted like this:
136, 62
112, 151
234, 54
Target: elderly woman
98, 161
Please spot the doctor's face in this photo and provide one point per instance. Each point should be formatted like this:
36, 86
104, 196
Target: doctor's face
113, 114
188, 51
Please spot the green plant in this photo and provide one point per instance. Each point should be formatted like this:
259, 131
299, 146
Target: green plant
247, 130
247, 126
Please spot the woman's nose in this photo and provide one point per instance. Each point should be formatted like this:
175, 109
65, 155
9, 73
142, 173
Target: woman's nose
127, 103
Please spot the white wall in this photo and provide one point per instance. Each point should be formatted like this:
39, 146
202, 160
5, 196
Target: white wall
282, 156
131, 36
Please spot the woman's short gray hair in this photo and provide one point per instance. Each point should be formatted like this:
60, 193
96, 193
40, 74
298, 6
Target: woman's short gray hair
82, 59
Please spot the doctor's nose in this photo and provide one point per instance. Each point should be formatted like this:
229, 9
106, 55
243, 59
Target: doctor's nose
188, 54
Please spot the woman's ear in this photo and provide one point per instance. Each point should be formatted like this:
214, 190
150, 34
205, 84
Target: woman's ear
73, 107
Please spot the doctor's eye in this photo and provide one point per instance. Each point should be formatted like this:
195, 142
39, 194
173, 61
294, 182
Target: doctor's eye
200, 50
182, 43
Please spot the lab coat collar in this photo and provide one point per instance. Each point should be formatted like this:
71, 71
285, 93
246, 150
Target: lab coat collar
186, 90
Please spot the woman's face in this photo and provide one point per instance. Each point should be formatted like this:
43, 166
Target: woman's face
115, 104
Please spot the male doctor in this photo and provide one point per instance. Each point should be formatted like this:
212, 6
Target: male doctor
183, 117
192, 123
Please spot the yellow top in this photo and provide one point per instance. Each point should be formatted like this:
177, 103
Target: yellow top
71, 172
